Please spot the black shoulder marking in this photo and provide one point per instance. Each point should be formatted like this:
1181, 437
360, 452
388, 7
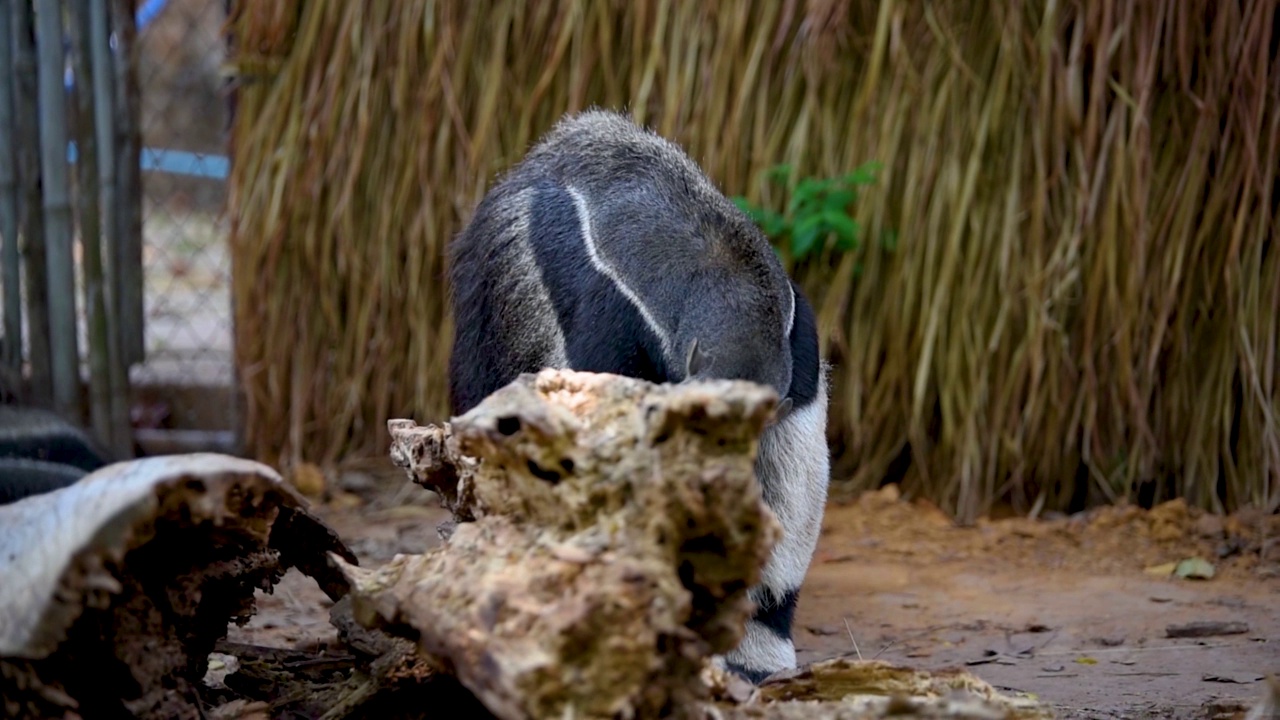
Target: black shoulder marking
806, 368
603, 331
557, 248
755, 677
777, 615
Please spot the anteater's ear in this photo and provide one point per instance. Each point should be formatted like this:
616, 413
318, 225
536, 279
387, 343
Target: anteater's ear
781, 412
694, 361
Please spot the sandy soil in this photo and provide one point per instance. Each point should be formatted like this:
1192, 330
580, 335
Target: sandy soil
1070, 609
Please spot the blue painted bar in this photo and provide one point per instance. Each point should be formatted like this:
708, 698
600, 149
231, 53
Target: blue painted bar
175, 162
148, 12
180, 162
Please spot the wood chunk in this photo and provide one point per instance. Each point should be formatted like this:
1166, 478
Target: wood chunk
607, 532
117, 587
848, 689
604, 533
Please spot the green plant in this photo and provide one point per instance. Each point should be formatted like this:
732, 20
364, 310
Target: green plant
818, 211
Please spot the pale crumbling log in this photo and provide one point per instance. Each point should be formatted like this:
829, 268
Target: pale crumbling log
605, 531
848, 689
116, 588
608, 530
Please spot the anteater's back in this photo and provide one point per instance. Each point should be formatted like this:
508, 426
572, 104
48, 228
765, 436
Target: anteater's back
607, 224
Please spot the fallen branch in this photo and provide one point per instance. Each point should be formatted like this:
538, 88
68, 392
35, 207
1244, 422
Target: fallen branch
116, 588
866, 689
608, 530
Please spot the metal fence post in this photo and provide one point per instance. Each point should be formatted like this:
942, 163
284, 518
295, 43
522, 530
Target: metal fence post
57, 211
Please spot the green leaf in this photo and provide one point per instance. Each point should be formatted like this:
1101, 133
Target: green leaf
845, 228
864, 174
779, 173
808, 222
775, 225
838, 200
811, 186
816, 209
804, 242
807, 194
807, 234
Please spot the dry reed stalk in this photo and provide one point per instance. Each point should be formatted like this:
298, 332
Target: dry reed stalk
1082, 301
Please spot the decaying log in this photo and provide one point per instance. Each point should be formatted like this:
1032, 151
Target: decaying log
117, 587
333, 683
608, 530
604, 533
845, 689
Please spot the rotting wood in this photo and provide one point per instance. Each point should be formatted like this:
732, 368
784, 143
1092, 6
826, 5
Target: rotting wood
603, 533
846, 688
607, 532
134, 573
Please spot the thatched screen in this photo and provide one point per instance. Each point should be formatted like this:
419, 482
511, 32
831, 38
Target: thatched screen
1081, 302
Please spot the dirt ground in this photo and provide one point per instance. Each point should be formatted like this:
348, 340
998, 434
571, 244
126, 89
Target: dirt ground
1076, 610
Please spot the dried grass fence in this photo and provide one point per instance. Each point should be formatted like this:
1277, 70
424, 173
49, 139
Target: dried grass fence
1082, 305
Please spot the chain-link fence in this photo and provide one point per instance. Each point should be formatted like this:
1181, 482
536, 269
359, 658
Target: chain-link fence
72, 252
186, 378
187, 372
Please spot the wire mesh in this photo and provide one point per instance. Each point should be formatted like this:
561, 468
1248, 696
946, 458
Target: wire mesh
188, 321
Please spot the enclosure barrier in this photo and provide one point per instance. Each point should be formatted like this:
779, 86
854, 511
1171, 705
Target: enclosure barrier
137, 323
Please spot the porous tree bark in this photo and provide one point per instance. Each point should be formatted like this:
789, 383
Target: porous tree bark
608, 532
604, 533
